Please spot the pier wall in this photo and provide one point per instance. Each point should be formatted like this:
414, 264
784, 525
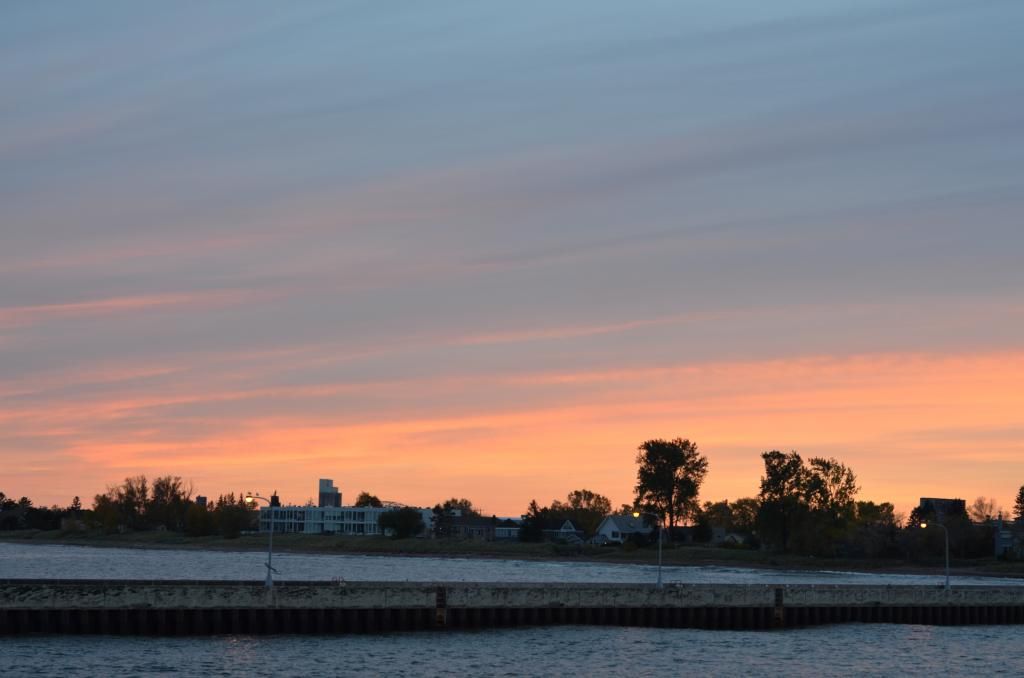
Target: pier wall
169, 607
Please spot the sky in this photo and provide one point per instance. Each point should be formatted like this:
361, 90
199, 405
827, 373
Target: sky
485, 250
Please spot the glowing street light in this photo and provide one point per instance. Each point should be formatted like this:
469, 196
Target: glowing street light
251, 498
924, 526
637, 514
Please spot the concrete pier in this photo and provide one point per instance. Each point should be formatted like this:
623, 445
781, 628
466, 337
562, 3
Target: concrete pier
218, 607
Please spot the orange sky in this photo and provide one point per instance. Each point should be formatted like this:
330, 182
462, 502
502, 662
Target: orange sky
909, 425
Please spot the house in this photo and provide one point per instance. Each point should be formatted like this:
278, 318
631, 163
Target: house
720, 536
1009, 539
617, 529
470, 526
507, 529
563, 531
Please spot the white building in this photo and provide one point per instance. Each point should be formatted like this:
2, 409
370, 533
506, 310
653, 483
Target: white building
341, 520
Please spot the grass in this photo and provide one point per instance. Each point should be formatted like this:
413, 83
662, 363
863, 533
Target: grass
673, 555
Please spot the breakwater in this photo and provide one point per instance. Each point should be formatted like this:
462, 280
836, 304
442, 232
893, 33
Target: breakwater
220, 607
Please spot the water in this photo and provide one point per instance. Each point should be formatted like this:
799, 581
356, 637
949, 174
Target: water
849, 650
842, 650
21, 561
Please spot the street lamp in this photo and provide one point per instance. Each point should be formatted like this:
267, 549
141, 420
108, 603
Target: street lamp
250, 498
637, 514
946, 533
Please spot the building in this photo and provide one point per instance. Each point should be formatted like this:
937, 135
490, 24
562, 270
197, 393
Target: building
339, 520
562, 531
1009, 539
617, 529
507, 529
465, 526
329, 494
330, 517
941, 509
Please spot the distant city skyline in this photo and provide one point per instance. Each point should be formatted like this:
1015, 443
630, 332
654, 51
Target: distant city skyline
448, 249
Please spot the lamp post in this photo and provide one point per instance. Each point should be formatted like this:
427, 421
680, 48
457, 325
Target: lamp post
946, 533
250, 499
637, 514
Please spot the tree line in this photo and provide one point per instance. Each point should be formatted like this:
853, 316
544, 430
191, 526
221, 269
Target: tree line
136, 504
805, 506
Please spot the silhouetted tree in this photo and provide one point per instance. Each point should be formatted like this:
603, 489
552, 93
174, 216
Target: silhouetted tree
465, 506
1018, 504
198, 521
232, 516
367, 499
669, 476
168, 501
983, 509
402, 522
744, 515
782, 496
831, 488
532, 527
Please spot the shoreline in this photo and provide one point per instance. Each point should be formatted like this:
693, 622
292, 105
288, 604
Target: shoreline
679, 556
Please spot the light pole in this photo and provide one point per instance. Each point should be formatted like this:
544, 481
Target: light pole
946, 533
637, 514
250, 498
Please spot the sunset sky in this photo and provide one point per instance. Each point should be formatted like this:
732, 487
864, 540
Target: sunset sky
457, 248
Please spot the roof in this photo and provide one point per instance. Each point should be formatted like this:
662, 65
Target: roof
627, 524
558, 525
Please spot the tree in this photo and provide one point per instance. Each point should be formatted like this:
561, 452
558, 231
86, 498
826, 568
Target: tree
782, 496
669, 477
710, 516
1018, 504
231, 516
76, 505
198, 521
464, 506
831, 488
718, 514
871, 514
744, 514
367, 499
402, 523
105, 513
983, 510
168, 502
532, 527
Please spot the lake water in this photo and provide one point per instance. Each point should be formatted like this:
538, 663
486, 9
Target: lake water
29, 561
848, 650
842, 650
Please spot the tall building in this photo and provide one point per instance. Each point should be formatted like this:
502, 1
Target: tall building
942, 508
330, 497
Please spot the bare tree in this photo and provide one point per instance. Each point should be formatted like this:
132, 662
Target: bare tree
983, 510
